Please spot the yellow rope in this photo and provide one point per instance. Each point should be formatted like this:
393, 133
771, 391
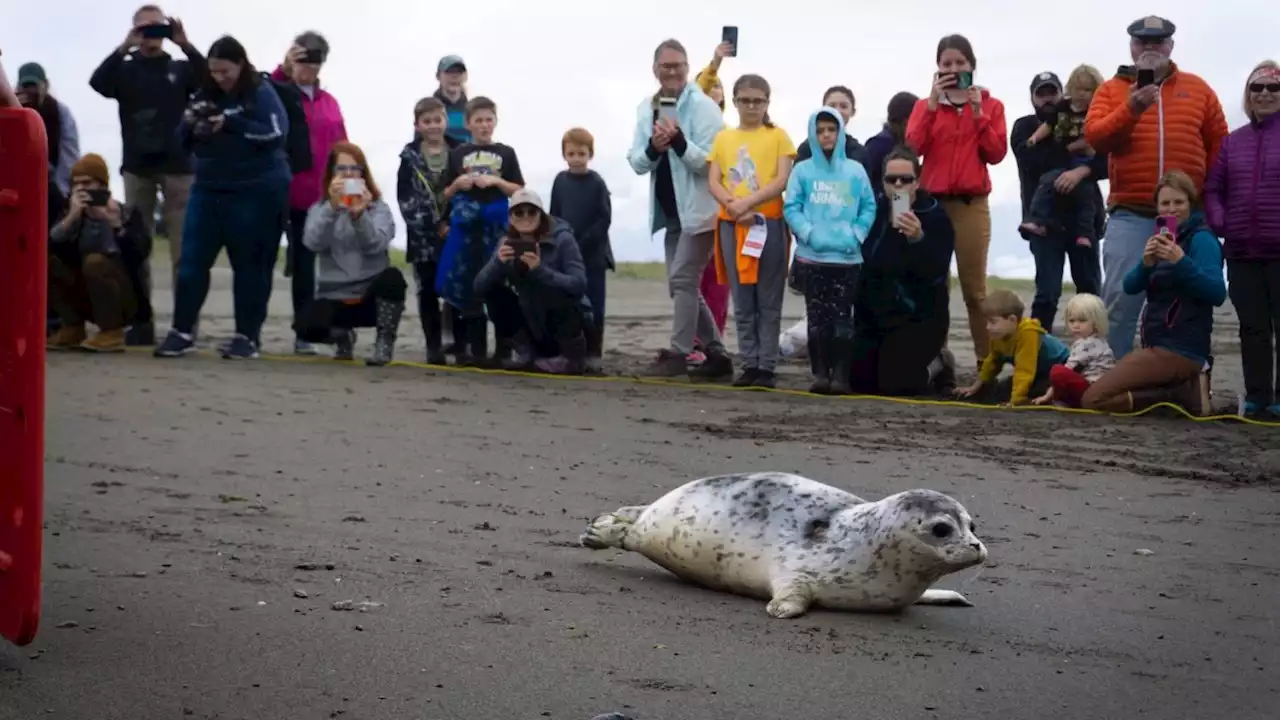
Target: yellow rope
803, 393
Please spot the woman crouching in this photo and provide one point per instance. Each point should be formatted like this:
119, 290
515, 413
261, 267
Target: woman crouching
350, 232
533, 290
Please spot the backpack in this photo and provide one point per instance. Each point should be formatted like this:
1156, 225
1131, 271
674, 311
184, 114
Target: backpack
298, 144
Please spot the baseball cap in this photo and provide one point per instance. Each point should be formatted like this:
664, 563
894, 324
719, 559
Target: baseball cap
31, 73
1045, 78
450, 62
525, 196
1151, 27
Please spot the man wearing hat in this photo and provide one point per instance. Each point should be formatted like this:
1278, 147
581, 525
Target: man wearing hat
1053, 251
1152, 117
451, 73
59, 125
95, 253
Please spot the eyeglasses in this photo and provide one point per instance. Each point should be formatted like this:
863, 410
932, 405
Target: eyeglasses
1269, 87
672, 67
525, 212
751, 102
899, 179
348, 168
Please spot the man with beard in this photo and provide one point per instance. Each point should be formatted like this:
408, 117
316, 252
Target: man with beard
1053, 250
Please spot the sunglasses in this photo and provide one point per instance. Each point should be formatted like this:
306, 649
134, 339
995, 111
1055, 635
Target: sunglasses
750, 102
525, 212
899, 179
348, 168
1269, 87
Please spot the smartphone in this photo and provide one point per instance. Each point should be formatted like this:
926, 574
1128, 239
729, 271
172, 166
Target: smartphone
1167, 225
901, 203
162, 31
1146, 76
730, 35
964, 80
313, 57
521, 246
99, 197
667, 108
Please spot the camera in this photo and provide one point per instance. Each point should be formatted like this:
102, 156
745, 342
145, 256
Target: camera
204, 112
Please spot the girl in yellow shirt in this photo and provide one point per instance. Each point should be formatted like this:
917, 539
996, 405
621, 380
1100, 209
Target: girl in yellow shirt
749, 168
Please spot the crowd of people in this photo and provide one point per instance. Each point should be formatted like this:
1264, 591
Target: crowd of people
866, 233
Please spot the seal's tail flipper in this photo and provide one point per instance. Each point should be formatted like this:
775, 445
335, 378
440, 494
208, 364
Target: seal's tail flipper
610, 530
943, 597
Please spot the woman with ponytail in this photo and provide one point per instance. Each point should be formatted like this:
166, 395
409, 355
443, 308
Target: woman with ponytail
894, 134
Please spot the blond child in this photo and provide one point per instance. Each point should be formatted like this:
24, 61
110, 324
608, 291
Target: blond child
1090, 357
1018, 340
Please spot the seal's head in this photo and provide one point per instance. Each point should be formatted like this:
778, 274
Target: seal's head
939, 526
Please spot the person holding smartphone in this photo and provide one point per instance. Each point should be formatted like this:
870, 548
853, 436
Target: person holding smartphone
1180, 274
960, 131
96, 252
1152, 117
534, 287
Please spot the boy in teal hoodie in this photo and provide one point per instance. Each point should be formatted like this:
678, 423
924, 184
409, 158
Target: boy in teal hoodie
830, 207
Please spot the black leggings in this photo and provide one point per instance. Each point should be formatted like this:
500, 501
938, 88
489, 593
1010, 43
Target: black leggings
563, 320
324, 315
896, 362
1254, 287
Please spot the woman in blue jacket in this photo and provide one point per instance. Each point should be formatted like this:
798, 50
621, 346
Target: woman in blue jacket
902, 310
830, 207
236, 127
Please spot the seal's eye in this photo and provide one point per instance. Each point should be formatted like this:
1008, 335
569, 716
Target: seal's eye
942, 530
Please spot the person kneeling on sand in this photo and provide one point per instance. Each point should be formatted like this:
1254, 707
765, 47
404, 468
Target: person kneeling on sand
96, 252
350, 232
533, 289
1018, 340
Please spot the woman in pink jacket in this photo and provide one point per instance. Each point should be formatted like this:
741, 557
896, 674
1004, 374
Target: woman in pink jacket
325, 124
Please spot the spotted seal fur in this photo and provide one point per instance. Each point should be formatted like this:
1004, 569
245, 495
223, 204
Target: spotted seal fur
798, 543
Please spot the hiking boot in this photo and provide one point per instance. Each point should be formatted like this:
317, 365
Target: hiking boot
344, 344
668, 365
67, 337
746, 378
304, 348
766, 379
717, 366
388, 325
840, 354
175, 344
240, 348
106, 341
141, 335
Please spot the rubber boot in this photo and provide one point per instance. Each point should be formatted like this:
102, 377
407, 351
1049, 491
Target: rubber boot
388, 324
820, 362
344, 343
840, 358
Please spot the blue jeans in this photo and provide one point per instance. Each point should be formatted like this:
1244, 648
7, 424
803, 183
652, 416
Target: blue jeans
247, 222
1126, 237
1052, 253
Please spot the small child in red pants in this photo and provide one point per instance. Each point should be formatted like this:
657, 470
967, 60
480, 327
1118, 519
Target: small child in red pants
1090, 356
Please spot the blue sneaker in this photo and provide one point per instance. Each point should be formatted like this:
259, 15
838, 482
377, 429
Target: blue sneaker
240, 348
1274, 410
175, 344
1248, 409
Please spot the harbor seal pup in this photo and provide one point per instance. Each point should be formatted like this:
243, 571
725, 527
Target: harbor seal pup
799, 543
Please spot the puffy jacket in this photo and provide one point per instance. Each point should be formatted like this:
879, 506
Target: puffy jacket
1242, 193
1182, 131
830, 204
958, 145
327, 128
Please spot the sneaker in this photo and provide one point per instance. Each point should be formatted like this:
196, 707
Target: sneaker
746, 378
1248, 409
240, 348
106, 341
141, 335
668, 365
1274, 412
66, 337
697, 357
715, 368
558, 365
303, 348
344, 345
594, 365
437, 357
765, 379
175, 344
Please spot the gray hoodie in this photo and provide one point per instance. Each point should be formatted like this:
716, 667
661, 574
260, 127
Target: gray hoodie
349, 255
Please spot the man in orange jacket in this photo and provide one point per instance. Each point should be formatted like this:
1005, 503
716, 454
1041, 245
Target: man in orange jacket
1152, 117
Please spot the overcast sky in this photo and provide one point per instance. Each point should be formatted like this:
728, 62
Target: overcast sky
554, 64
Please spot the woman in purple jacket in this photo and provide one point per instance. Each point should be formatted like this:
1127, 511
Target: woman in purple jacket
1242, 202
325, 124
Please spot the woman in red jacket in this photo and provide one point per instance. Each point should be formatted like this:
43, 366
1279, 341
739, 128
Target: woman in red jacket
960, 130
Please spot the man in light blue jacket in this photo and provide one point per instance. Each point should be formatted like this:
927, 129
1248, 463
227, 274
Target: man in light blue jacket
671, 146
830, 207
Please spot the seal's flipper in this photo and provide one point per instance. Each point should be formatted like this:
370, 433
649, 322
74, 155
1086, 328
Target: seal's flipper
610, 530
790, 600
943, 597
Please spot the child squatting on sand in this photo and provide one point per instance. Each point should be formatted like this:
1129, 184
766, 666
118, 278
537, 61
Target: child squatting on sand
1090, 357
1019, 340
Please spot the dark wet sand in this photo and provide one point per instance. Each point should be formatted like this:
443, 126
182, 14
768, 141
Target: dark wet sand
182, 496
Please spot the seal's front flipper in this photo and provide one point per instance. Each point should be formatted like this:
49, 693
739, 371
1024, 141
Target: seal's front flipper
943, 597
610, 530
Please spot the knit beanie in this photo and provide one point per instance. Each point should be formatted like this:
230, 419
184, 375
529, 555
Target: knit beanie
92, 166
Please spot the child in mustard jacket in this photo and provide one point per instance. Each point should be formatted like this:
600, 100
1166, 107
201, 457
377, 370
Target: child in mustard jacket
1019, 340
